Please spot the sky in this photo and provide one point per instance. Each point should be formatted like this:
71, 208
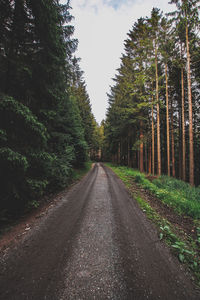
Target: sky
101, 27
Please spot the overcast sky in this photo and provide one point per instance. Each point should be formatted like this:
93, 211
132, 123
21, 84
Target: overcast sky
101, 27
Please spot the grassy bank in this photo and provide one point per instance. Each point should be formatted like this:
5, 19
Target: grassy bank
179, 195
184, 202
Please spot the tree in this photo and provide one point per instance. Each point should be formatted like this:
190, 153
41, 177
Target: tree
187, 12
166, 51
155, 27
152, 73
42, 135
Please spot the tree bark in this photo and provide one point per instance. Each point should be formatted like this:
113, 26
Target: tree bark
146, 158
167, 122
128, 158
183, 125
172, 142
153, 141
149, 169
119, 153
141, 148
191, 157
158, 116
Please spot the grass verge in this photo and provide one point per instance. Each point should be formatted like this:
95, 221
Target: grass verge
169, 191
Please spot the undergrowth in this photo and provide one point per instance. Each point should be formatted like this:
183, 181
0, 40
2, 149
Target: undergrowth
78, 173
179, 195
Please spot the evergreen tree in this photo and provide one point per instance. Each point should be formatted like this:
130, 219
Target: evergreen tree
152, 71
187, 12
42, 133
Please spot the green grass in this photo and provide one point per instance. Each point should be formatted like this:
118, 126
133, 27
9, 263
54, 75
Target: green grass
184, 197
179, 195
168, 190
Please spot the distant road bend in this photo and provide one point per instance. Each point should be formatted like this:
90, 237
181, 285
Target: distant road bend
95, 244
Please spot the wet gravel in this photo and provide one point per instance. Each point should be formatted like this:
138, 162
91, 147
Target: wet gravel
95, 244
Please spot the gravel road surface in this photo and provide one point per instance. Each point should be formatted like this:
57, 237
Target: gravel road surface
95, 243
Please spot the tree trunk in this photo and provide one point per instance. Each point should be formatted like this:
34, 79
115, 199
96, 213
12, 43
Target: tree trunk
141, 148
167, 121
153, 141
128, 158
119, 153
149, 169
146, 158
158, 116
191, 157
134, 161
183, 125
172, 142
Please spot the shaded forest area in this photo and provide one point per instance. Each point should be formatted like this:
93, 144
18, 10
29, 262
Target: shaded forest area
46, 124
153, 119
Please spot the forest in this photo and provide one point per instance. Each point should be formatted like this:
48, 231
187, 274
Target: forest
47, 128
46, 124
153, 119
126, 228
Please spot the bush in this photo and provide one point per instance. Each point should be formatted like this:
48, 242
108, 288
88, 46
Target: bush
36, 188
12, 163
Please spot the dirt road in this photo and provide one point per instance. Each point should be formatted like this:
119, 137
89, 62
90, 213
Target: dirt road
95, 244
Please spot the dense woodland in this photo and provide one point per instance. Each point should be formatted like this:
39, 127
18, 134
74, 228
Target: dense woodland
46, 124
153, 120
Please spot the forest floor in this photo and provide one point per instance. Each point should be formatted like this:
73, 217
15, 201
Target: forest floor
93, 241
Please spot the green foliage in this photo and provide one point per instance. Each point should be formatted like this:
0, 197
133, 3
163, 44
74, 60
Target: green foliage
185, 253
198, 235
41, 164
152, 68
61, 170
178, 194
35, 187
188, 192
11, 161
81, 171
18, 123
175, 193
45, 126
33, 204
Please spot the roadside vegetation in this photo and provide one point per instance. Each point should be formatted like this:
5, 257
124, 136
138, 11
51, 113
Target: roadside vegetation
177, 195
47, 128
79, 173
